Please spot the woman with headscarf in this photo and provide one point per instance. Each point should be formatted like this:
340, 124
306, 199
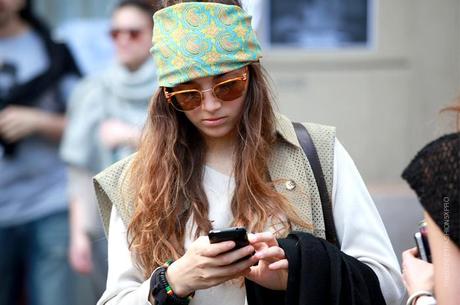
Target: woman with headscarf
214, 154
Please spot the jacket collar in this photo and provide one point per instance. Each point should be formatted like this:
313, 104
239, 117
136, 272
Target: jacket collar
285, 130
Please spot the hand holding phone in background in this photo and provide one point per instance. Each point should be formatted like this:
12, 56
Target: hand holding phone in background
418, 272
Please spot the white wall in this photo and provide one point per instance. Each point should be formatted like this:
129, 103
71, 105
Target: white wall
383, 101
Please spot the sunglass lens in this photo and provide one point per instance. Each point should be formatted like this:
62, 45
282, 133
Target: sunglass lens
229, 91
188, 100
133, 34
114, 33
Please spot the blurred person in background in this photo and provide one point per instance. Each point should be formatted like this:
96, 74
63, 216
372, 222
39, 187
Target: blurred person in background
434, 174
106, 114
36, 75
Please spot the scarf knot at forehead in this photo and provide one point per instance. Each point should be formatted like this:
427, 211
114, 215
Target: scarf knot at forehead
196, 39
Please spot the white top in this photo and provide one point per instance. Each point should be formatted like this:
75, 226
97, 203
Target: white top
359, 228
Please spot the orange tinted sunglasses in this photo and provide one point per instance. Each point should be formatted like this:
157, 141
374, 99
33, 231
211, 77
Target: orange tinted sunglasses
227, 90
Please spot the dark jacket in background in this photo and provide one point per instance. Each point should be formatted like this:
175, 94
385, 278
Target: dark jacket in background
62, 64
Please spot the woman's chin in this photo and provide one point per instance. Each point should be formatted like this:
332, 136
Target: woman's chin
217, 133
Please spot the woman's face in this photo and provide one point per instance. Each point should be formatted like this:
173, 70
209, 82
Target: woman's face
132, 35
216, 119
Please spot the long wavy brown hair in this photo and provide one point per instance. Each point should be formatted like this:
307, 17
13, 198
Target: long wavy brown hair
168, 170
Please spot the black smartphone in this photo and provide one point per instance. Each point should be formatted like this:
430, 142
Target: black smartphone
420, 246
237, 234
424, 233
421, 240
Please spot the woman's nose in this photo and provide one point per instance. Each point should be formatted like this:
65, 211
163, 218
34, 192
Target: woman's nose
210, 103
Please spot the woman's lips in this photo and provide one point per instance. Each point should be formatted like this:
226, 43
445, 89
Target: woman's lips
213, 121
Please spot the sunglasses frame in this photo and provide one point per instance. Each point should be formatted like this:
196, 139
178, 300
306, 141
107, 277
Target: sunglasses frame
133, 33
169, 95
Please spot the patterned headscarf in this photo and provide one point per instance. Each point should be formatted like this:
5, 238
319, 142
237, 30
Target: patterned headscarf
196, 39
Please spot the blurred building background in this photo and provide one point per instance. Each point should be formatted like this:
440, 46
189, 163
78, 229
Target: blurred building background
378, 70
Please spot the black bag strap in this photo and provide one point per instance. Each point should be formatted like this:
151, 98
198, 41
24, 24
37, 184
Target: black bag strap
310, 151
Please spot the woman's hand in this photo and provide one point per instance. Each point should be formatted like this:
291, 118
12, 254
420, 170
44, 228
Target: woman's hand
272, 270
206, 265
417, 274
80, 253
19, 122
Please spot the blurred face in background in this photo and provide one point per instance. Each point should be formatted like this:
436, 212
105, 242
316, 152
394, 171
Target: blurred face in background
132, 36
9, 9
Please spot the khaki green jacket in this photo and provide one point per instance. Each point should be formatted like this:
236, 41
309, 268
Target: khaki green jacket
288, 164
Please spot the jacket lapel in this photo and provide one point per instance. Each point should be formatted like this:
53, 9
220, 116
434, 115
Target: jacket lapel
290, 179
